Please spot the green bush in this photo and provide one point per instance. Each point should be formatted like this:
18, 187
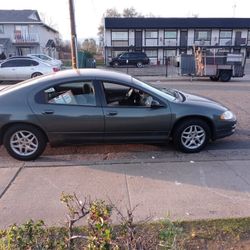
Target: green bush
99, 232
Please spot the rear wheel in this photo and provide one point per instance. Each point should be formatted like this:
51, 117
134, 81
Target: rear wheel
24, 142
191, 136
225, 75
36, 74
214, 78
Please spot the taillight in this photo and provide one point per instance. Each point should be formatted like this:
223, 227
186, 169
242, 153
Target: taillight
56, 69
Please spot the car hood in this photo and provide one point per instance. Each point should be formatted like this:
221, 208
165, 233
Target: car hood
202, 101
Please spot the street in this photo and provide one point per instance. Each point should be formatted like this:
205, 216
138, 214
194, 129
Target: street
157, 178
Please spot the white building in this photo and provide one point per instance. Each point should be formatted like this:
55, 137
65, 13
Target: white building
160, 38
22, 32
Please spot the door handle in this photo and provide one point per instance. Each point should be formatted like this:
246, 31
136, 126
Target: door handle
112, 113
48, 112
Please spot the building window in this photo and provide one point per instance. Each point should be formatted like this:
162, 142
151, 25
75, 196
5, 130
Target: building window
170, 37
202, 37
152, 55
1, 29
116, 53
21, 33
169, 53
225, 37
151, 38
119, 38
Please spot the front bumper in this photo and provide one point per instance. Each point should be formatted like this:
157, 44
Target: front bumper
225, 131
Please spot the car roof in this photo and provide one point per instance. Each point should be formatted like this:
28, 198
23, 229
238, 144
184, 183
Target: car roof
73, 73
20, 58
91, 73
14, 57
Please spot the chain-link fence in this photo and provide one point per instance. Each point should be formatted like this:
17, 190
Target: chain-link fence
168, 67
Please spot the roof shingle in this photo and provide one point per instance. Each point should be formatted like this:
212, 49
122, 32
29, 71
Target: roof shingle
19, 16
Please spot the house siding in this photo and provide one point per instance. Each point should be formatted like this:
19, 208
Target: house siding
34, 40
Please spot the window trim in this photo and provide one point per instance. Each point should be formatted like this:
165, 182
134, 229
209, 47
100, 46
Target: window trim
152, 39
120, 40
225, 38
201, 30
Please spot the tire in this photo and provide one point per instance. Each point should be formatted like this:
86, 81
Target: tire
36, 74
191, 136
115, 64
214, 78
24, 142
139, 64
225, 75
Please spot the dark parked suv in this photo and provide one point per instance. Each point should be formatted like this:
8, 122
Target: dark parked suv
130, 58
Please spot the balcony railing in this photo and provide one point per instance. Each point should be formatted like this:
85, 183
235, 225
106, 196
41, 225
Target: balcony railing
176, 42
25, 38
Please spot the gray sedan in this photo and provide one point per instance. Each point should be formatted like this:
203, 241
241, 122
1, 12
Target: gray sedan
96, 106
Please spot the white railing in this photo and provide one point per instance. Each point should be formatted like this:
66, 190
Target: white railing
25, 38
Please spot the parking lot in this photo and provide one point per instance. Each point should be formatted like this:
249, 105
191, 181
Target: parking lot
211, 184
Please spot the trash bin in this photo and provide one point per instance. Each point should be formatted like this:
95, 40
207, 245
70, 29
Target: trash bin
85, 60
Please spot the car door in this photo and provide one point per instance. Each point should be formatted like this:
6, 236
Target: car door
9, 71
126, 120
124, 59
27, 67
66, 120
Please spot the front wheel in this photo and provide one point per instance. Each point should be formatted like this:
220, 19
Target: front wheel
24, 142
139, 65
115, 64
191, 136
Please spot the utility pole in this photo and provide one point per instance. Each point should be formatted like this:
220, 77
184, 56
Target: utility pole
73, 34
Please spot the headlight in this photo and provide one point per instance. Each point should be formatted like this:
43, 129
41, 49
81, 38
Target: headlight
227, 115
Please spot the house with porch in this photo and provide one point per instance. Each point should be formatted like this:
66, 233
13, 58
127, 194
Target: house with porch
22, 32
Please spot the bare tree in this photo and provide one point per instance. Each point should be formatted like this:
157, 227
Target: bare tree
128, 12
47, 20
89, 45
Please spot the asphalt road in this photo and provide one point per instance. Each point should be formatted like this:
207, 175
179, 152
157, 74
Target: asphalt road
211, 184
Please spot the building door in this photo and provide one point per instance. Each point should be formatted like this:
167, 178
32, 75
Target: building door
183, 38
238, 39
138, 40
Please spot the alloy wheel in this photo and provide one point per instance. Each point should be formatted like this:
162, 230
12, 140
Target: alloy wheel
193, 137
24, 143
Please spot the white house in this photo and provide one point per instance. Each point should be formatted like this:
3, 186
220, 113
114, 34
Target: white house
22, 32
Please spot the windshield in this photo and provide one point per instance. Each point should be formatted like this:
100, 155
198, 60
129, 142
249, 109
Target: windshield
161, 92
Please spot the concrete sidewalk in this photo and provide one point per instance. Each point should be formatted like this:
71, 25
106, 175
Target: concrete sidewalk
206, 185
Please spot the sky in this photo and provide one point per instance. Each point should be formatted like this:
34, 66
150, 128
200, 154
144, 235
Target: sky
88, 13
